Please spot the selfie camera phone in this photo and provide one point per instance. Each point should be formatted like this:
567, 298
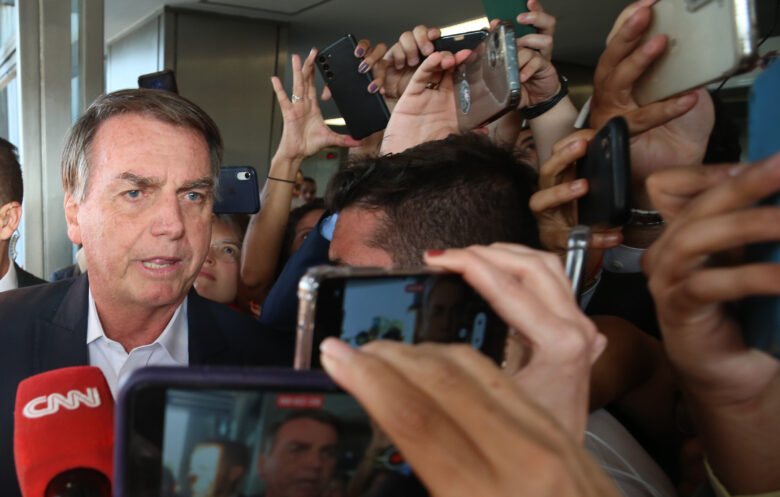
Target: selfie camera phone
487, 83
163, 80
364, 113
237, 191
508, 10
359, 305
180, 428
761, 319
607, 167
458, 42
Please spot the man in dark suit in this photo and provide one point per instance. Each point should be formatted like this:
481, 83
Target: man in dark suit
139, 171
11, 191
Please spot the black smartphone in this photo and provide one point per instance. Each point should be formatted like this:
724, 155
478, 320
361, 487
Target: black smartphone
487, 83
359, 304
364, 113
508, 10
163, 80
458, 42
184, 431
607, 167
761, 319
237, 191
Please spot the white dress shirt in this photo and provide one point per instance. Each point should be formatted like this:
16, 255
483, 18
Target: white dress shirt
170, 348
9, 280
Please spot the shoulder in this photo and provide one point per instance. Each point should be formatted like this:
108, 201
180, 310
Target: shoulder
27, 279
35, 301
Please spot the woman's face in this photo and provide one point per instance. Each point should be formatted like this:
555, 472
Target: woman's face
304, 227
218, 277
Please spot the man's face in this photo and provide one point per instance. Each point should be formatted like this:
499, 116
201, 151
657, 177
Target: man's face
354, 229
146, 220
442, 312
302, 459
308, 191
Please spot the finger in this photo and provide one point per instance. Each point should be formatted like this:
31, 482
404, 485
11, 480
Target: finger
429, 71
672, 188
434, 34
604, 241
583, 134
536, 63
542, 21
422, 40
716, 285
560, 161
397, 56
281, 95
409, 46
558, 195
508, 252
541, 42
362, 47
659, 113
326, 95
534, 6
297, 76
625, 40
340, 140
405, 412
307, 71
494, 23
374, 55
379, 72
630, 68
626, 14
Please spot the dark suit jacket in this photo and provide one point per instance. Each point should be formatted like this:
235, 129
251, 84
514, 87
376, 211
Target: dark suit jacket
26, 279
45, 327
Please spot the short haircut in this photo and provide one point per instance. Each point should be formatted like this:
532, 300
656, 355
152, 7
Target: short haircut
309, 179
323, 417
161, 105
237, 222
449, 193
11, 186
233, 453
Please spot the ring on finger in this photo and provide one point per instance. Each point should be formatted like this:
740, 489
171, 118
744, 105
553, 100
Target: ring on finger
432, 86
295, 98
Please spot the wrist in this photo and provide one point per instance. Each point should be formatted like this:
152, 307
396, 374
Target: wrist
284, 166
536, 110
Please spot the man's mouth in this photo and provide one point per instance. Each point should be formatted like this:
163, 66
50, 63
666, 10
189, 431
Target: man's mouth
159, 263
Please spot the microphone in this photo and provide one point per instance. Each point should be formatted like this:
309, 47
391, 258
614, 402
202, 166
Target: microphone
64, 434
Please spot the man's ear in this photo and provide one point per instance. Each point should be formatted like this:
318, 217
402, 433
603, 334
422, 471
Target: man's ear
71, 217
10, 215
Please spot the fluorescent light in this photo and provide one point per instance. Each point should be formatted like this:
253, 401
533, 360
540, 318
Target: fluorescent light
466, 26
338, 121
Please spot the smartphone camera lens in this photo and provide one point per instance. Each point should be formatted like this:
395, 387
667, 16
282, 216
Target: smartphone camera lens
329, 75
325, 67
321, 58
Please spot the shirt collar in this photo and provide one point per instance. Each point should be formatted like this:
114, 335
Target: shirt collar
9, 281
174, 338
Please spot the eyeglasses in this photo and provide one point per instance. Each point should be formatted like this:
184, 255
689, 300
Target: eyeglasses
226, 251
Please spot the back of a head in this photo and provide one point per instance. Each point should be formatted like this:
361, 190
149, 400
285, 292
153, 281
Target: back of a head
455, 192
11, 188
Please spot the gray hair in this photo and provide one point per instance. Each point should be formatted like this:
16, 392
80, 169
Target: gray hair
162, 105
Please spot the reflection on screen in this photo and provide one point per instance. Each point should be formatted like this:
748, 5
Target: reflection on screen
272, 444
434, 308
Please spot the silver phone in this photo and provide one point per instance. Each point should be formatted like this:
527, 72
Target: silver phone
487, 83
707, 40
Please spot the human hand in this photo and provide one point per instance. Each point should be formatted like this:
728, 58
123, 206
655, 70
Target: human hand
305, 132
672, 132
472, 420
555, 344
554, 204
426, 110
544, 23
401, 61
733, 390
371, 56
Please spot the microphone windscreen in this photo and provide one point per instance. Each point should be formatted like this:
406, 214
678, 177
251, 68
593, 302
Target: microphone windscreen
63, 419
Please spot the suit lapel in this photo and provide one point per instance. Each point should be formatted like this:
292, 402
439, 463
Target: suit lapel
206, 342
61, 339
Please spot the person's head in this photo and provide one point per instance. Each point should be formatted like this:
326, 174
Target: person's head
139, 170
302, 220
11, 191
299, 455
216, 468
526, 147
448, 193
219, 276
442, 311
308, 190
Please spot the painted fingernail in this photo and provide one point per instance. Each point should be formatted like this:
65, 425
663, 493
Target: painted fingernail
372, 88
578, 185
363, 67
414, 61
360, 51
434, 252
336, 350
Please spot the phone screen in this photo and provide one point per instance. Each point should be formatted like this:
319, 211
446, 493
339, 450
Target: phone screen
413, 308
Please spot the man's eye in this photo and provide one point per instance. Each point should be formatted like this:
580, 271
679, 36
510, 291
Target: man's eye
229, 250
194, 196
133, 194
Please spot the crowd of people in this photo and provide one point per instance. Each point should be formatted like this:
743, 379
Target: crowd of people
643, 386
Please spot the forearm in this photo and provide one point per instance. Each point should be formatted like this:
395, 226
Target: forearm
263, 240
552, 126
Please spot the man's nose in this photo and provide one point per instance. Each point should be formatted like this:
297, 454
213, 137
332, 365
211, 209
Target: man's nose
168, 217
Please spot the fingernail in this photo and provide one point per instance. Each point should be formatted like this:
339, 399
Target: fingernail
312, 50
686, 100
363, 67
372, 88
612, 237
434, 252
414, 61
360, 51
336, 350
578, 185
735, 170
524, 18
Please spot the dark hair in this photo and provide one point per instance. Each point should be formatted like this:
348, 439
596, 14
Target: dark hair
238, 222
455, 192
233, 453
723, 144
289, 230
323, 417
309, 179
11, 186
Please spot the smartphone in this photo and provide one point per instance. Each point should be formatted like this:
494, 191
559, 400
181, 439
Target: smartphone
237, 191
462, 41
182, 431
607, 167
359, 305
364, 113
707, 40
508, 10
761, 318
163, 80
487, 83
